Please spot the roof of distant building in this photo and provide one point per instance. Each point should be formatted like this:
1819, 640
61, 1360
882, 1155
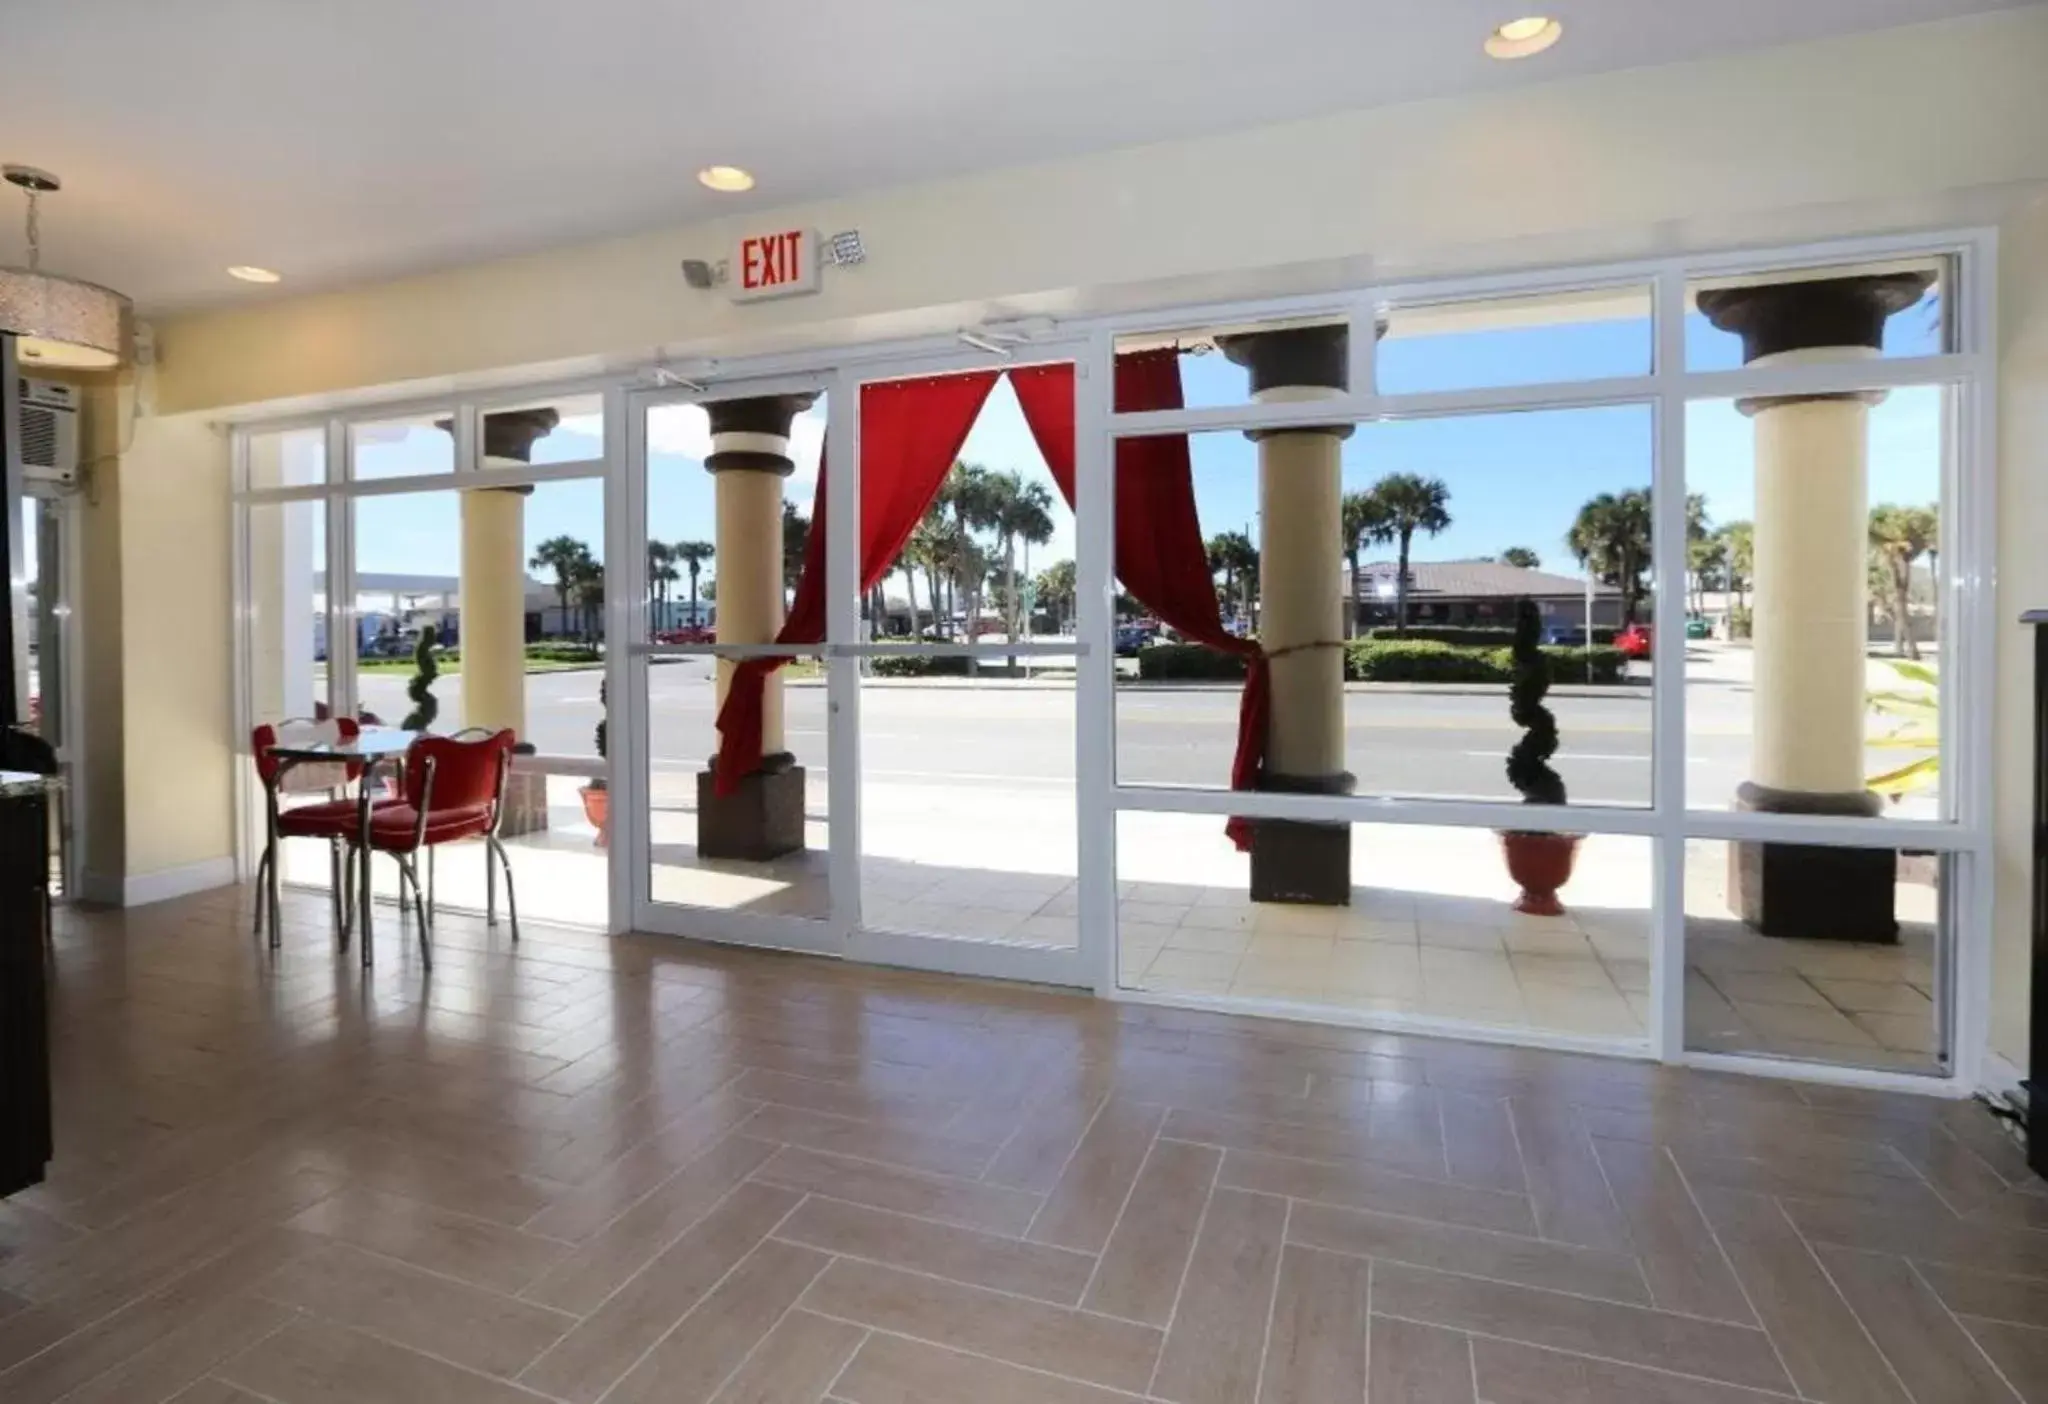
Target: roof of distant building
1476, 580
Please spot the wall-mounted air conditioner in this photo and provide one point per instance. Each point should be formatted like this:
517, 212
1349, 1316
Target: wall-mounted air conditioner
49, 432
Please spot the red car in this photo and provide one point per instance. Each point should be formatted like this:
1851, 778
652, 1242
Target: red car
689, 634
1634, 641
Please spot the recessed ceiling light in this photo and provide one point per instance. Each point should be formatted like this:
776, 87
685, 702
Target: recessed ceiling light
730, 179
250, 273
1521, 38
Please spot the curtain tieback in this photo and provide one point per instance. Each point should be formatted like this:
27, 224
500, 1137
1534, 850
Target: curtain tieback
1303, 647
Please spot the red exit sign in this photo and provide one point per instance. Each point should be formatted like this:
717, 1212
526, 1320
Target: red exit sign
781, 264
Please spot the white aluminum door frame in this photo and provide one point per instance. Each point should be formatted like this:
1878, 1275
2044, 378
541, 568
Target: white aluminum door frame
964, 955
627, 711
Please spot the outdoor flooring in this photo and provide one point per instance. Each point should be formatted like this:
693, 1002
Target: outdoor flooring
589, 1169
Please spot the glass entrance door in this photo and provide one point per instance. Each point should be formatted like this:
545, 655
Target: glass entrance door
969, 666
722, 489
46, 556
891, 776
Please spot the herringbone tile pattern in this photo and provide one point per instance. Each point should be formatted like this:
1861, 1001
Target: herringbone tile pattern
645, 1171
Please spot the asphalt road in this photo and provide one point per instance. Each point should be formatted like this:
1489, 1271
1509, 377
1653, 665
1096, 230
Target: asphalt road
1435, 743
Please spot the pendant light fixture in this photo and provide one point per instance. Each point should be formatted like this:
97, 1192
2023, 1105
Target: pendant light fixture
58, 321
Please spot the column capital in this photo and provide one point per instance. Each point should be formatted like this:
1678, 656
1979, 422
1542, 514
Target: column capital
752, 434
511, 434
1293, 358
1772, 318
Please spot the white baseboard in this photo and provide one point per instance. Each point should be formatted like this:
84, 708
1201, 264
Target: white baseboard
140, 889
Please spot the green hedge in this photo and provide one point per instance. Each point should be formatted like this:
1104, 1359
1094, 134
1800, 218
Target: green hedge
1390, 660
1412, 660
1188, 663
563, 653
1473, 636
910, 666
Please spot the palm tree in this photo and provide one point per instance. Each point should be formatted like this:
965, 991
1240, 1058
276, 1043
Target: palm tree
661, 573
1611, 537
972, 497
589, 590
929, 550
1056, 590
1020, 510
568, 558
1706, 560
692, 556
1739, 539
1899, 536
1408, 504
1361, 519
796, 538
1233, 554
1522, 558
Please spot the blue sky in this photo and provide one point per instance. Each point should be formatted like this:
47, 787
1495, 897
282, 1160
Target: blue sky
1514, 479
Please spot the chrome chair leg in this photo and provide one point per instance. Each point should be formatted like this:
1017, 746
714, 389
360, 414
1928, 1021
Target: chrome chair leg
274, 889
262, 888
431, 908
334, 881
511, 903
409, 866
490, 881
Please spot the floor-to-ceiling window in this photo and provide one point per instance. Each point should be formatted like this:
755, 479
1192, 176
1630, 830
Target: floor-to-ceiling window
440, 569
1592, 658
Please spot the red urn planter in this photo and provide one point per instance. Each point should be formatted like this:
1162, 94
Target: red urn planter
597, 808
1541, 863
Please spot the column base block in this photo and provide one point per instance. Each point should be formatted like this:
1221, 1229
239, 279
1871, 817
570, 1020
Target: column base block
1810, 892
526, 806
761, 820
1301, 862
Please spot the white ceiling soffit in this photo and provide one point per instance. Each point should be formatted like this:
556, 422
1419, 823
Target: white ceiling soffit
338, 142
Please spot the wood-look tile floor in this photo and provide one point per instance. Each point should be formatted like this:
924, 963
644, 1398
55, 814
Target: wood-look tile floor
640, 1170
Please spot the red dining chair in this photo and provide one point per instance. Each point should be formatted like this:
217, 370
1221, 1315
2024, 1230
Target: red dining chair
332, 817
454, 790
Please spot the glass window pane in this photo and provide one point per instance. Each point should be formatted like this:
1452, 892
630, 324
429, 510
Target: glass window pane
1516, 341
288, 643
1815, 650
1426, 925
409, 582
1900, 307
682, 517
287, 458
561, 550
779, 869
1387, 598
401, 448
1837, 955
1217, 363
566, 430
968, 792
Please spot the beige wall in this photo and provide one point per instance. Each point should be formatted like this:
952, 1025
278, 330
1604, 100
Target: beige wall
2022, 585
1624, 164
177, 754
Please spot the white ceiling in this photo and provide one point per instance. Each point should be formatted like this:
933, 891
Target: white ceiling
341, 140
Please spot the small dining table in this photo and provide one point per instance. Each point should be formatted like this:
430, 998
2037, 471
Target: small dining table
367, 750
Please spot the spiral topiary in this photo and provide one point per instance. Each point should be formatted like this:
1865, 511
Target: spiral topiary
425, 706
1529, 762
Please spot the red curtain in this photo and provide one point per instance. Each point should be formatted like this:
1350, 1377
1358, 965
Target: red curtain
910, 433
1161, 556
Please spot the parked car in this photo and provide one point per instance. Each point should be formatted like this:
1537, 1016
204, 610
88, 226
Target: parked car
1634, 641
1132, 637
688, 634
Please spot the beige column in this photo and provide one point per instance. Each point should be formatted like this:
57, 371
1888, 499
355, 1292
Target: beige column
749, 459
493, 615
1812, 547
749, 541
1301, 608
1812, 554
493, 636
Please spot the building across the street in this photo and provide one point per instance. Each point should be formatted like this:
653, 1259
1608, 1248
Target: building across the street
1480, 594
